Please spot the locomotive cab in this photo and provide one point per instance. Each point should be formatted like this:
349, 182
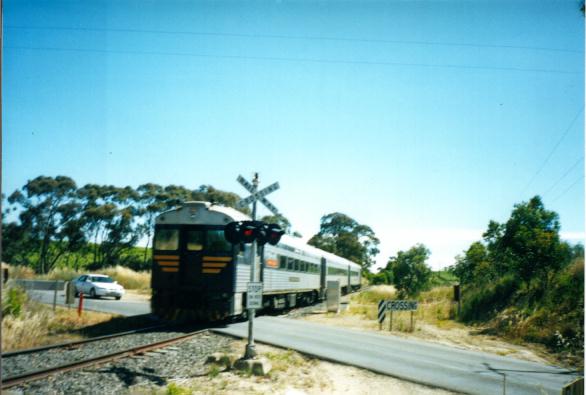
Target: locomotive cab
193, 265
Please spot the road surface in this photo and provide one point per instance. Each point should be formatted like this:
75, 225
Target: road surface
427, 363
126, 306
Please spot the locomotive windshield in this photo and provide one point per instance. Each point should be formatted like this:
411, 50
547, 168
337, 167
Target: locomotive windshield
167, 239
217, 242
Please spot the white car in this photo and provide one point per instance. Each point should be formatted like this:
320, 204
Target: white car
96, 285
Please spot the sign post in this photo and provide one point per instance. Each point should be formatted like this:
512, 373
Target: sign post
254, 292
395, 305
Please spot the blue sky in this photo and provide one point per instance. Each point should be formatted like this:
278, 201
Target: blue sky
423, 120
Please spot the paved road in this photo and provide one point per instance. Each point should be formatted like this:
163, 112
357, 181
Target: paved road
124, 306
417, 361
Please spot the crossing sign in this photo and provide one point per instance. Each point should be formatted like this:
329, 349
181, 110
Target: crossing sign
257, 196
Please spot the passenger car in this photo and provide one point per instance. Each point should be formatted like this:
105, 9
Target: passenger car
96, 285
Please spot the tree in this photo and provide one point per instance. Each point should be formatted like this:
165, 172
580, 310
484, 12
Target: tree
410, 273
528, 244
279, 220
474, 265
343, 236
152, 202
49, 217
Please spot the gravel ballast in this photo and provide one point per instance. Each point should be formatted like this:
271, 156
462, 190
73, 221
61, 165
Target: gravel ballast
152, 370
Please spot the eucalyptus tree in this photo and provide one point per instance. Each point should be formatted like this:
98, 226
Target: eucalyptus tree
280, 220
344, 236
50, 220
409, 271
153, 201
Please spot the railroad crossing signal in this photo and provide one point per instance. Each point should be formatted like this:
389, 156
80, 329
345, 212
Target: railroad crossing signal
249, 231
257, 233
260, 195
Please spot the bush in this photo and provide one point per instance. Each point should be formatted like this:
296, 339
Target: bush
13, 301
483, 303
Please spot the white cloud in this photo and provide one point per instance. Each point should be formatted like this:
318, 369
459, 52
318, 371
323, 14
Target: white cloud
573, 236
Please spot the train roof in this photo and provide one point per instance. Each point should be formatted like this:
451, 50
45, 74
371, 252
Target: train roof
201, 213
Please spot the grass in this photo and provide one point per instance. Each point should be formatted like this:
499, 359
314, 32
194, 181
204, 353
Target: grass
128, 278
284, 360
34, 324
435, 307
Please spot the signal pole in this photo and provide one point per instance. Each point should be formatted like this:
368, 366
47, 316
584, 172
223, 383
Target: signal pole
250, 351
254, 292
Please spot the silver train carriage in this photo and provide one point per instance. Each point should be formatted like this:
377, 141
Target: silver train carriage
196, 273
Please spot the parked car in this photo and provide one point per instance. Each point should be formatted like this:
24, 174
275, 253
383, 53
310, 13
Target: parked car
96, 285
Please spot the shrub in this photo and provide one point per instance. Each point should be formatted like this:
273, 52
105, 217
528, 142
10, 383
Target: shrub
13, 301
484, 303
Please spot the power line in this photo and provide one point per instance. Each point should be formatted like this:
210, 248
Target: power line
290, 59
289, 37
569, 188
552, 151
563, 176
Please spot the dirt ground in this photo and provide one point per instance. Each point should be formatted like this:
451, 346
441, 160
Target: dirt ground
294, 374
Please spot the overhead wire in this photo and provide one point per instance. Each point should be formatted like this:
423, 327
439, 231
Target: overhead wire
291, 59
553, 150
572, 185
564, 175
292, 37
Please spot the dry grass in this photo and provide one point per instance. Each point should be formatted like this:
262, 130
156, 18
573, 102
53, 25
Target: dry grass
38, 325
435, 307
129, 278
22, 272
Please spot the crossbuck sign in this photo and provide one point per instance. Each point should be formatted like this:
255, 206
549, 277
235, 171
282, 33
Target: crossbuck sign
260, 195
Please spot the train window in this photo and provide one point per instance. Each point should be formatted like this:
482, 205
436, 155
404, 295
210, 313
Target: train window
195, 240
290, 263
283, 262
217, 242
296, 268
167, 239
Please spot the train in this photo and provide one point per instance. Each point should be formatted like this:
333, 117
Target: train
198, 275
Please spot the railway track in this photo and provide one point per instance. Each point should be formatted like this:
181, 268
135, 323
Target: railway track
19, 367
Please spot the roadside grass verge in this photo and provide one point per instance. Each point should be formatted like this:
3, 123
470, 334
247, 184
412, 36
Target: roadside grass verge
139, 281
27, 323
435, 307
130, 279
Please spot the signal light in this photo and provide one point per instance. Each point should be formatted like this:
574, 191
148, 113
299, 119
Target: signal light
248, 231
232, 232
274, 233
